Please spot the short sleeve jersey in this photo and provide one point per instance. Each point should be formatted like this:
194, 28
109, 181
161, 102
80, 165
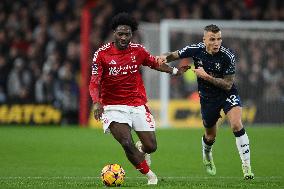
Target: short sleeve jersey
217, 65
116, 77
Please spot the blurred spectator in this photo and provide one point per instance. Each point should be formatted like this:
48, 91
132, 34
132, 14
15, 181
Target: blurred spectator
45, 88
39, 44
20, 83
4, 72
2, 95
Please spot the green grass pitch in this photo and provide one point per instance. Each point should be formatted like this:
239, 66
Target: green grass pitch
72, 158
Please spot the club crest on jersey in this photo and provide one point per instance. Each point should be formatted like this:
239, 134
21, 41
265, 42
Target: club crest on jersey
217, 66
133, 58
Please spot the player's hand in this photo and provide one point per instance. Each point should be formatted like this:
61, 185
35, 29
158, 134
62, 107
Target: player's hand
183, 69
98, 110
161, 59
200, 72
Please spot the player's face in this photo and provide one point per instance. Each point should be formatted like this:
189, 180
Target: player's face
212, 41
122, 36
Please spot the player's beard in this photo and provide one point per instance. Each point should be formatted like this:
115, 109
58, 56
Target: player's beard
123, 44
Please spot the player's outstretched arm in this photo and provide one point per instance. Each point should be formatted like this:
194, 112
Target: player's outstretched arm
172, 70
167, 57
171, 56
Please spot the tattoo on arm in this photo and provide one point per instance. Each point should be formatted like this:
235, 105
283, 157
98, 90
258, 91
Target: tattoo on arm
172, 56
224, 83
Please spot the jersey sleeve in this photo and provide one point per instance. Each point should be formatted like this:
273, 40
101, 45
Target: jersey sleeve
230, 64
94, 85
189, 50
149, 60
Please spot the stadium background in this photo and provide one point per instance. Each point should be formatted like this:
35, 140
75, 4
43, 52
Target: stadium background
45, 60
44, 73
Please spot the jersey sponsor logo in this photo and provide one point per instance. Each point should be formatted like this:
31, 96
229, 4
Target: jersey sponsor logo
123, 70
95, 69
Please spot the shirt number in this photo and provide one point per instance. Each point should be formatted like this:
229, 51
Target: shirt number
233, 100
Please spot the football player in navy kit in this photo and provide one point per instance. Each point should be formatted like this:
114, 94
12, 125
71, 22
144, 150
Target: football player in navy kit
215, 71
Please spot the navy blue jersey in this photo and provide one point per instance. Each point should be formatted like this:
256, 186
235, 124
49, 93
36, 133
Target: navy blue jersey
217, 65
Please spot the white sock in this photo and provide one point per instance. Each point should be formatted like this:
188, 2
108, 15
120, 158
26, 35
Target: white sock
206, 150
150, 174
242, 143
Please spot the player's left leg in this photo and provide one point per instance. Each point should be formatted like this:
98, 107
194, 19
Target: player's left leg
242, 140
144, 126
207, 142
147, 145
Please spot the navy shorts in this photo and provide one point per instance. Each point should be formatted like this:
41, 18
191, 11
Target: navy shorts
211, 108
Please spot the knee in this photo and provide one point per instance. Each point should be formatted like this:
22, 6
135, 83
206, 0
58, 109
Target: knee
210, 137
150, 148
236, 125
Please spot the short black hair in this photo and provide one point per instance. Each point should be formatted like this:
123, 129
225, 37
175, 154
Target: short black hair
124, 19
212, 28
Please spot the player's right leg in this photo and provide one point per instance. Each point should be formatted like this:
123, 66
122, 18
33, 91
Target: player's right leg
210, 111
122, 133
208, 140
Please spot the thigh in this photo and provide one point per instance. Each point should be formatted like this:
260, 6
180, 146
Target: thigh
235, 118
235, 114
115, 115
121, 132
142, 119
210, 112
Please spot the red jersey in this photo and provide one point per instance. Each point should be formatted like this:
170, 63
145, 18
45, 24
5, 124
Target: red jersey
116, 79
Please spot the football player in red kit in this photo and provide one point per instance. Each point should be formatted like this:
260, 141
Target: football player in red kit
119, 96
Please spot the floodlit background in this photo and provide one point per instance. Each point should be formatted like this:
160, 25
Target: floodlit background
46, 48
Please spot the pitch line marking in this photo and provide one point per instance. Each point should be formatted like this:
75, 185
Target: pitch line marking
90, 177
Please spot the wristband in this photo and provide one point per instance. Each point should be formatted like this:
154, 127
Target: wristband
175, 71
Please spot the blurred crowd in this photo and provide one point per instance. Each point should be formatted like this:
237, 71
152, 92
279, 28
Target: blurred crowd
40, 46
39, 53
